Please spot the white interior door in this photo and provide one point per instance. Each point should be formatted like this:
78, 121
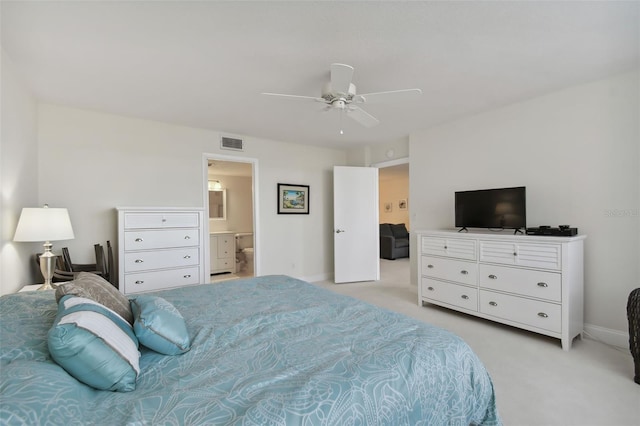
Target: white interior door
355, 220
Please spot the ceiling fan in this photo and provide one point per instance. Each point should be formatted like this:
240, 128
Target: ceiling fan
340, 94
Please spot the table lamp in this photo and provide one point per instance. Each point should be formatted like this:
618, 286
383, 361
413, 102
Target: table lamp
44, 224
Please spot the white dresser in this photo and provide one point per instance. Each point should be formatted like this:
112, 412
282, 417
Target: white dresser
160, 248
223, 252
530, 282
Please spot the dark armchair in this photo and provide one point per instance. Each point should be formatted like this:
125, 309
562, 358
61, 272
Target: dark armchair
394, 241
633, 315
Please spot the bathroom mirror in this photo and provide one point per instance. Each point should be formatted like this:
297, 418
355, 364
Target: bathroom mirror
218, 204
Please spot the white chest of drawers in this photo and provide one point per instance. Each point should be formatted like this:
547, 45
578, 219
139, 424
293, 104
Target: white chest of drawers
160, 248
223, 252
534, 283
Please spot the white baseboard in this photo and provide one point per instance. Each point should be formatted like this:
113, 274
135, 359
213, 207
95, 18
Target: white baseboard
316, 278
607, 335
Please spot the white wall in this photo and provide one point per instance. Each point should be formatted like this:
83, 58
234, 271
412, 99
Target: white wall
393, 190
576, 151
18, 177
92, 162
367, 155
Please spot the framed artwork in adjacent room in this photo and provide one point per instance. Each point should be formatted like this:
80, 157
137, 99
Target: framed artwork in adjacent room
402, 204
293, 199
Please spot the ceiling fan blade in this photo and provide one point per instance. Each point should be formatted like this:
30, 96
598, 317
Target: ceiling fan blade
361, 116
295, 97
390, 96
341, 76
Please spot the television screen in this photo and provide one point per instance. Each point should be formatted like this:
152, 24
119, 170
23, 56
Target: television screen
491, 208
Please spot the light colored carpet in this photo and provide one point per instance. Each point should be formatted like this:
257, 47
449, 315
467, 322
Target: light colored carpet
536, 382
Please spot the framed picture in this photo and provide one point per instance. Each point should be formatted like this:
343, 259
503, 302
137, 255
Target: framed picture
293, 199
402, 204
388, 207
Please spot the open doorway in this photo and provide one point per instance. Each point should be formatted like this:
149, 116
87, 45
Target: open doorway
230, 203
393, 184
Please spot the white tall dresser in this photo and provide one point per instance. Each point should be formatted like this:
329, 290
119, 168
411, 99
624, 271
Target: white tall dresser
160, 248
530, 282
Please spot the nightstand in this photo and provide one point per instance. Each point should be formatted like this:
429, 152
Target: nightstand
30, 287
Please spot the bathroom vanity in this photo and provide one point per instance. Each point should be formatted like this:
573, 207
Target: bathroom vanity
223, 252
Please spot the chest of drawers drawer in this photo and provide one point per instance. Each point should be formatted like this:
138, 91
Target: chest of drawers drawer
147, 260
450, 269
157, 280
153, 239
546, 256
452, 247
534, 313
449, 293
144, 220
531, 283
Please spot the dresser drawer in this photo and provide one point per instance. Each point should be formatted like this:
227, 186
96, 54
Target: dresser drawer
450, 269
534, 313
540, 284
161, 220
547, 256
153, 239
147, 260
158, 280
451, 294
451, 247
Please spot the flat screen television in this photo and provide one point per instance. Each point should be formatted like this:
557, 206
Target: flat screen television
502, 208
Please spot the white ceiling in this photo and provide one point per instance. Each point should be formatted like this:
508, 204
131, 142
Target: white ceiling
204, 64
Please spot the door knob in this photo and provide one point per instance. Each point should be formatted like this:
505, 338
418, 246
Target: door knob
339, 231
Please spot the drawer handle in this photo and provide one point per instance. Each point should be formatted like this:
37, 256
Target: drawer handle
139, 261
515, 254
187, 257
463, 272
493, 303
430, 266
164, 220
543, 315
465, 297
139, 282
493, 277
139, 240
430, 288
187, 276
543, 284
445, 247
186, 237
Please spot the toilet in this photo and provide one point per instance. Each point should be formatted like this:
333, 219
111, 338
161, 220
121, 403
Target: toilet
244, 252
248, 258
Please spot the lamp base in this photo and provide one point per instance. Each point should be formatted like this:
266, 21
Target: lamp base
47, 262
46, 286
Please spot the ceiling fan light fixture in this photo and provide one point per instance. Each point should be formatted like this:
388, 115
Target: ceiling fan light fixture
340, 93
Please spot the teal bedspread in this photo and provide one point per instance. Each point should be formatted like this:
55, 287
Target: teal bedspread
265, 351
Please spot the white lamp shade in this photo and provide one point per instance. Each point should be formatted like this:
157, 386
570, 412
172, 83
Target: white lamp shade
43, 224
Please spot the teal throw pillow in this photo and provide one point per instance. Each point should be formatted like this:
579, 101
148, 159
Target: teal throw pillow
94, 344
159, 326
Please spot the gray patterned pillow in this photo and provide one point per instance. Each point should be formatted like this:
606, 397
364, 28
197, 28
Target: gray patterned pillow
96, 288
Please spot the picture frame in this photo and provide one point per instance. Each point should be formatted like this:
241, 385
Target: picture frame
402, 204
293, 199
388, 207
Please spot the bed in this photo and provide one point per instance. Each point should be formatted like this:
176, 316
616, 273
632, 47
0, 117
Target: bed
270, 350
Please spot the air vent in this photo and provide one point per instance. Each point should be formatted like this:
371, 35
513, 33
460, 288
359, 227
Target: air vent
231, 143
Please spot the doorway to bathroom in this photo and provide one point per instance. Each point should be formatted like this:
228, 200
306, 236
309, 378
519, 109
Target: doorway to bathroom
230, 203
